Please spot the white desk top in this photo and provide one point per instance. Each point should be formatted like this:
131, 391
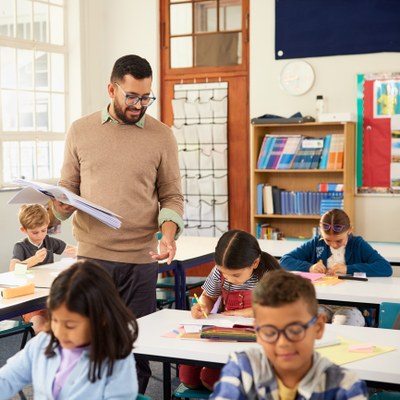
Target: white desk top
382, 368
191, 247
374, 291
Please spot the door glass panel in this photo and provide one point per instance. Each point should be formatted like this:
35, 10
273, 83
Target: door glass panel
181, 19
205, 16
230, 15
181, 52
218, 49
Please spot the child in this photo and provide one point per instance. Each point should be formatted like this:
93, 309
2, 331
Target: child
337, 251
37, 249
240, 264
87, 351
286, 367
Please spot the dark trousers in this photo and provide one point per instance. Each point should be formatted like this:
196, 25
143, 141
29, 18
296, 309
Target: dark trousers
136, 284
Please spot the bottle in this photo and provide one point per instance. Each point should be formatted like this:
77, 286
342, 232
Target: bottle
319, 106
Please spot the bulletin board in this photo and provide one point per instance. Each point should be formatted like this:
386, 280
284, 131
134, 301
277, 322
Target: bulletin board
316, 28
378, 133
200, 127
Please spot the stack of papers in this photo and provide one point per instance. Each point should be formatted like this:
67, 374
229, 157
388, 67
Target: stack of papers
37, 192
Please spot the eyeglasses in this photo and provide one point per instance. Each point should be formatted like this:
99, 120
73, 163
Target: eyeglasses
133, 99
294, 332
335, 227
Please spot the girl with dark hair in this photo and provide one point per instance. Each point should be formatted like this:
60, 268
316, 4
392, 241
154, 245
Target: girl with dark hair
337, 251
240, 264
87, 349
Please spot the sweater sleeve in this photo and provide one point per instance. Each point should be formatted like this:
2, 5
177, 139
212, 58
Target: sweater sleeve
366, 259
301, 258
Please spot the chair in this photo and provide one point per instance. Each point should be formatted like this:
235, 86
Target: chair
183, 392
389, 315
142, 397
384, 395
10, 328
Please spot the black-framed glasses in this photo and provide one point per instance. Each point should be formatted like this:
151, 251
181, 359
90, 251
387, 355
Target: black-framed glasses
133, 99
335, 227
294, 332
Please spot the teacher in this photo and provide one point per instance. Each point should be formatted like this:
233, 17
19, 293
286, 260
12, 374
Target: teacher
126, 161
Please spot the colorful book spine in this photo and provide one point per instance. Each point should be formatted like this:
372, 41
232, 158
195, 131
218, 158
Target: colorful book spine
330, 187
325, 152
268, 149
262, 151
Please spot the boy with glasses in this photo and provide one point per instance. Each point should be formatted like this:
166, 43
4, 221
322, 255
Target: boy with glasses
286, 367
337, 251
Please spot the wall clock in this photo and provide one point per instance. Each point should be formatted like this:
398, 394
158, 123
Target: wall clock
297, 77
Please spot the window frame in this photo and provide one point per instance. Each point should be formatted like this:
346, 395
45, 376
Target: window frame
51, 137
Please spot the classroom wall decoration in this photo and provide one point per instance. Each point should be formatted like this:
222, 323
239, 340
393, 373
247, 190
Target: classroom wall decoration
200, 127
378, 133
316, 28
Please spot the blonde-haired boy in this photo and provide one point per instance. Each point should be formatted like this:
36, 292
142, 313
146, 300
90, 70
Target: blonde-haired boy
286, 366
37, 248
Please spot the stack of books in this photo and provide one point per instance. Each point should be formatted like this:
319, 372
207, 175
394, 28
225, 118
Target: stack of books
274, 200
301, 152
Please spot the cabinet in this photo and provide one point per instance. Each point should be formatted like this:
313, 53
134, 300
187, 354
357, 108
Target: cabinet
301, 179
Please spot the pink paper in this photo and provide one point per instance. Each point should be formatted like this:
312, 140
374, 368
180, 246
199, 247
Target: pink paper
361, 348
312, 276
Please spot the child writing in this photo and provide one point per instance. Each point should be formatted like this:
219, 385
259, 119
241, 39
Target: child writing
286, 366
240, 264
87, 351
36, 249
337, 251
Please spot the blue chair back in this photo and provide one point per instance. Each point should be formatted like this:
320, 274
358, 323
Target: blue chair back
389, 315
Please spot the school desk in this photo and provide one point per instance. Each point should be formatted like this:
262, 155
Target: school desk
379, 371
196, 250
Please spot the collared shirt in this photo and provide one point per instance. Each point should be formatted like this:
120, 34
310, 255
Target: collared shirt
106, 117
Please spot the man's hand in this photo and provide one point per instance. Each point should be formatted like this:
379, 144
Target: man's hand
167, 250
61, 208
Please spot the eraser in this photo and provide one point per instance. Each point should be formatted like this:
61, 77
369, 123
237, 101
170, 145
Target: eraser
20, 268
9, 293
361, 348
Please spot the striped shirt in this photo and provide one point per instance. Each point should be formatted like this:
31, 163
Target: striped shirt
212, 285
249, 375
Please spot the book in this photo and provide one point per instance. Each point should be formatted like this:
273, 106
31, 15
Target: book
276, 196
268, 148
276, 152
237, 333
325, 152
37, 192
336, 152
289, 152
262, 151
330, 187
260, 189
268, 200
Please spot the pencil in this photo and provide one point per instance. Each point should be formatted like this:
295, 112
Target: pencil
198, 301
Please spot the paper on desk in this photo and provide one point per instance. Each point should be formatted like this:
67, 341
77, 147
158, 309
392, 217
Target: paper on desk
340, 354
37, 192
225, 321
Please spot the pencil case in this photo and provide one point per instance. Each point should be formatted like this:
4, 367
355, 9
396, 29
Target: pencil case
9, 293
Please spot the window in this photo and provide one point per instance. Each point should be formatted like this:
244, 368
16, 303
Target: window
32, 88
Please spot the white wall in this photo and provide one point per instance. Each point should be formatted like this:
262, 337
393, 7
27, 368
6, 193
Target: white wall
110, 29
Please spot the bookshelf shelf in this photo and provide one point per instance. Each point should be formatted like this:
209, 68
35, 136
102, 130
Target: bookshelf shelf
300, 180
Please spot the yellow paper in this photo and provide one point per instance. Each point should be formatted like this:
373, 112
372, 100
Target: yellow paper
340, 354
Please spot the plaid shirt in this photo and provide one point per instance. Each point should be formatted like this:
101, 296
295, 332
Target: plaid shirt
248, 375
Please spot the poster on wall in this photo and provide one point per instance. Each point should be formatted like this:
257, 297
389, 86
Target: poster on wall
378, 133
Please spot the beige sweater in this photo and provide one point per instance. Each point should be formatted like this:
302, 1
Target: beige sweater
129, 170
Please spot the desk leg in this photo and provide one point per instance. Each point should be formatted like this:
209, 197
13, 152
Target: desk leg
167, 380
182, 286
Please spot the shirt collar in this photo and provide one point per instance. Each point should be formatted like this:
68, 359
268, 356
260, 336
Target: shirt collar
107, 117
33, 244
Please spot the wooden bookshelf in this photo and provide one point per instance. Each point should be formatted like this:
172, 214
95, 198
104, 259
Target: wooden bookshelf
301, 180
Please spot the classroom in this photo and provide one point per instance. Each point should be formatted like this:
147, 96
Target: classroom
100, 31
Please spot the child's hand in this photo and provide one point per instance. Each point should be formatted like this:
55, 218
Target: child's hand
70, 251
197, 311
40, 255
337, 269
244, 312
318, 268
